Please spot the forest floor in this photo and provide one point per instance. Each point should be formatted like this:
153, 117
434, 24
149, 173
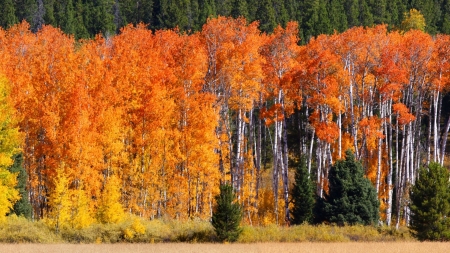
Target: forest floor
348, 247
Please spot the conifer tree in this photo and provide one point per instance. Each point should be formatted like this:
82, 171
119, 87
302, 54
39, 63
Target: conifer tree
22, 207
265, 14
302, 195
7, 13
430, 204
239, 9
351, 198
227, 217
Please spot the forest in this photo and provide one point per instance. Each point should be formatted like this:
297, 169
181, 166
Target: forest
150, 123
85, 19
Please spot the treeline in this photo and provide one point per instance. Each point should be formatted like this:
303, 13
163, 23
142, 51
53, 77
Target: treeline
85, 19
150, 123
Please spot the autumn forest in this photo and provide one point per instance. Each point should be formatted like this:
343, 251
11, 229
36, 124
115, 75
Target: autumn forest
151, 122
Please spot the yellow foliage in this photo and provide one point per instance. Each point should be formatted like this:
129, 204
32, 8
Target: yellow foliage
81, 211
10, 140
413, 20
136, 228
59, 201
110, 209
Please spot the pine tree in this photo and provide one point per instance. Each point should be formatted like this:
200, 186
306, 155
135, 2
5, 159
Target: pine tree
302, 195
25, 10
239, 9
22, 207
430, 204
266, 16
80, 27
7, 13
310, 17
66, 14
227, 217
337, 16
351, 198
207, 9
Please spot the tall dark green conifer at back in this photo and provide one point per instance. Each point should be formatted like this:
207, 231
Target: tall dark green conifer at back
265, 14
23, 206
227, 217
7, 13
239, 9
351, 198
302, 195
430, 204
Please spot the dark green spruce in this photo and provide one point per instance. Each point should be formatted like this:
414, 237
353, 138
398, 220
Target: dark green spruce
430, 204
227, 217
351, 198
302, 196
22, 207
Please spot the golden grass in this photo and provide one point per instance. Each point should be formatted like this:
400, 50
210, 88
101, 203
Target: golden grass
348, 247
135, 230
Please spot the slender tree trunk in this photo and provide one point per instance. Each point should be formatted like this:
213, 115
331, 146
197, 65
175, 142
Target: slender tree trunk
444, 141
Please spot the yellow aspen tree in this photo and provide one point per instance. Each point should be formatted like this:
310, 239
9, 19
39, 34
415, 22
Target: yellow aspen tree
9, 143
82, 216
110, 209
59, 201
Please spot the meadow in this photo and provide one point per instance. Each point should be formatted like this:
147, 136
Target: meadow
18, 234
310, 247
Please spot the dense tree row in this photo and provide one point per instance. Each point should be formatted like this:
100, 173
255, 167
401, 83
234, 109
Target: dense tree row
153, 122
87, 18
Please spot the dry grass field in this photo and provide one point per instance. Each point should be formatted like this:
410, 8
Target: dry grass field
357, 247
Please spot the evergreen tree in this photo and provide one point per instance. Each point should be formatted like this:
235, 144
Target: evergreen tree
281, 14
430, 204
22, 207
302, 195
444, 26
293, 10
49, 14
80, 27
351, 198
171, 14
337, 16
207, 9
365, 14
136, 11
322, 25
7, 13
266, 16
396, 9
310, 17
379, 12
224, 7
239, 9
352, 11
66, 14
25, 10
227, 217
430, 10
